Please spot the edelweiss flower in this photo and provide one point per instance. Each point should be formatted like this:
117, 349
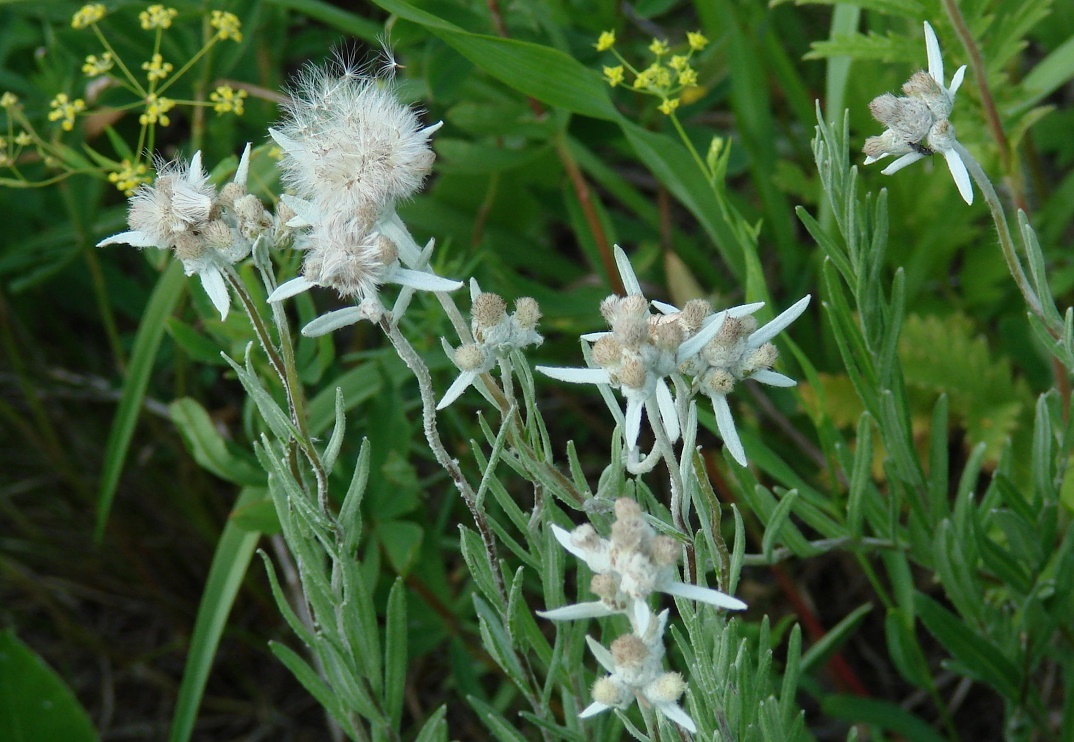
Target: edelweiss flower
738, 351
917, 124
627, 569
181, 210
639, 352
642, 350
352, 150
636, 672
496, 335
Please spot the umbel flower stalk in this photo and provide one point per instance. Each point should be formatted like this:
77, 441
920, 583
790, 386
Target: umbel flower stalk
352, 152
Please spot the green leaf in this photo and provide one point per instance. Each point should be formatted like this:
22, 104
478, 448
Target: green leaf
35, 704
435, 728
194, 343
1049, 75
836, 637
209, 448
161, 304
981, 658
884, 714
334, 17
402, 542
395, 651
257, 517
231, 559
312, 683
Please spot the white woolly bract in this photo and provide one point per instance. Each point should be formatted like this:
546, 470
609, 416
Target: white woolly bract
349, 144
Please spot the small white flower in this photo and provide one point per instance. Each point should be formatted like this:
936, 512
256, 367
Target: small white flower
496, 335
182, 211
918, 125
628, 568
635, 672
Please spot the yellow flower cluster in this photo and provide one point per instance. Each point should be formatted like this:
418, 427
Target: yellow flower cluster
226, 99
129, 177
666, 78
156, 111
227, 25
157, 16
157, 68
64, 110
87, 15
95, 65
8, 100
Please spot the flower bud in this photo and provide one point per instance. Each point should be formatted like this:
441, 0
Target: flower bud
627, 509
633, 373
665, 551
230, 193
189, 246
610, 693
607, 351
629, 651
585, 537
693, 314
218, 235
527, 312
469, 357
718, 381
488, 310
668, 688
605, 586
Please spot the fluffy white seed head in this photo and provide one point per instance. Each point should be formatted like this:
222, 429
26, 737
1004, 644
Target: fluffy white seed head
488, 310
340, 254
350, 144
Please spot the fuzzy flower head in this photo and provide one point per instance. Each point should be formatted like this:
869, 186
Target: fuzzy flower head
917, 123
182, 211
635, 666
351, 151
350, 146
627, 568
496, 335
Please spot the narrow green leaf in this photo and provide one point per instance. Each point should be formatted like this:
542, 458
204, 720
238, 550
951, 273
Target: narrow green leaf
836, 637
35, 703
975, 653
335, 17
161, 304
905, 651
884, 714
435, 728
774, 526
395, 651
231, 559
312, 683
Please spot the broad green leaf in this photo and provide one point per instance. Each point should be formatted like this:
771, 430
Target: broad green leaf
161, 304
231, 559
35, 703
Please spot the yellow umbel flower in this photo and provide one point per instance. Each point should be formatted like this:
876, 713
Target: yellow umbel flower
156, 111
129, 177
64, 110
614, 75
8, 100
226, 99
605, 41
696, 40
227, 25
157, 16
95, 66
679, 62
157, 68
87, 15
688, 77
668, 106
22, 139
659, 47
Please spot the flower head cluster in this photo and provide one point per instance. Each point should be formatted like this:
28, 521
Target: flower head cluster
352, 151
627, 569
227, 25
496, 335
635, 666
665, 78
644, 350
226, 99
129, 177
87, 15
918, 123
182, 211
157, 16
65, 110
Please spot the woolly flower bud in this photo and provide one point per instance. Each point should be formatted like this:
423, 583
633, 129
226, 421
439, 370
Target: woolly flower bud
629, 651
668, 688
668, 336
527, 313
340, 255
633, 373
218, 235
189, 246
627, 509
665, 551
389, 253
606, 691
586, 537
609, 308
694, 313
606, 351
630, 535
231, 192
469, 357
350, 144
718, 381
762, 358
605, 586
488, 310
